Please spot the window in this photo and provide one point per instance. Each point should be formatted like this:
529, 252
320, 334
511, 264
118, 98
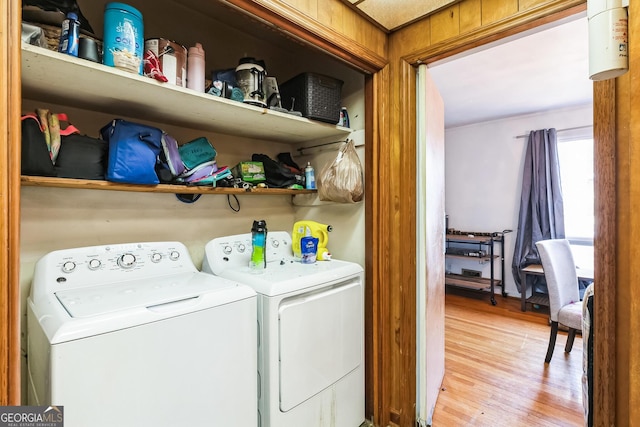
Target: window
576, 174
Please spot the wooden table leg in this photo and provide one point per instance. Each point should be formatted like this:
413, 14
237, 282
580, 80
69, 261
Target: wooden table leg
523, 291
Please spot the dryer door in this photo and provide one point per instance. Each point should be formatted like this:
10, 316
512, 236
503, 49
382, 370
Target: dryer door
321, 340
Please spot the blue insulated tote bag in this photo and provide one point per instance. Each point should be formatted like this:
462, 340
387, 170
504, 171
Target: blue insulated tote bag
133, 152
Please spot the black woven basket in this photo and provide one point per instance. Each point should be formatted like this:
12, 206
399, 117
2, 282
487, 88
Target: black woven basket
316, 96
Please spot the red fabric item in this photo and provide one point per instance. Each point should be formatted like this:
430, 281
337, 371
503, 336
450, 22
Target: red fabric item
152, 67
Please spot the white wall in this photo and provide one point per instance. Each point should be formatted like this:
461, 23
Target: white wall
483, 176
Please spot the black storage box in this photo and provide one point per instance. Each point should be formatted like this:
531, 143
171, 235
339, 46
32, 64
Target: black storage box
316, 96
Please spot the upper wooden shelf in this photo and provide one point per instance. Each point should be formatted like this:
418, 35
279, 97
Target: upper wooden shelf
53, 77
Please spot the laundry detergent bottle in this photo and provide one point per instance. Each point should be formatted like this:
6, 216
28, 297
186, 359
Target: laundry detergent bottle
258, 261
311, 229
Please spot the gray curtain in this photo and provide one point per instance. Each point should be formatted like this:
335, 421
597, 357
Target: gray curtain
541, 207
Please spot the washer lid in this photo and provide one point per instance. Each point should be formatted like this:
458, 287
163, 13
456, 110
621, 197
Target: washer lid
99, 300
288, 275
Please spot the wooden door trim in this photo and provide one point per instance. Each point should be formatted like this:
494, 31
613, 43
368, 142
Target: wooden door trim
404, 325
10, 102
394, 210
377, 262
605, 243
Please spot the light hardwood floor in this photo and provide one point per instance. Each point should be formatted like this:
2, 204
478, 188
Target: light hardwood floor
495, 373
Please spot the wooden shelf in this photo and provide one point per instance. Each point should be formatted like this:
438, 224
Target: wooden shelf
54, 77
38, 181
479, 283
539, 299
464, 238
482, 259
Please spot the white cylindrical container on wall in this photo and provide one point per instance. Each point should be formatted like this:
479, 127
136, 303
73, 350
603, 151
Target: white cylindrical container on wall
195, 68
608, 39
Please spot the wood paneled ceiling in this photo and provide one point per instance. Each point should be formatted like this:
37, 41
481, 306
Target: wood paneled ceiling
393, 14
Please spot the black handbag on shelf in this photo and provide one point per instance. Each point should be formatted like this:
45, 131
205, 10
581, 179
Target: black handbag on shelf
57, 149
35, 157
82, 157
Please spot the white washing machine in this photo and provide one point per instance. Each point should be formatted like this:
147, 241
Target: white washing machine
310, 328
134, 335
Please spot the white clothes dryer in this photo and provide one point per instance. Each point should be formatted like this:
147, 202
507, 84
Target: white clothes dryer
134, 335
310, 328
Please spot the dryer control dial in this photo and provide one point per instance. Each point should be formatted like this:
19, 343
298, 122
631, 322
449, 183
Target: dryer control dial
68, 266
127, 261
94, 264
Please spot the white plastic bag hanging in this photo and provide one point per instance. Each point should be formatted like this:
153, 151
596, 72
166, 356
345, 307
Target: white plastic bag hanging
342, 179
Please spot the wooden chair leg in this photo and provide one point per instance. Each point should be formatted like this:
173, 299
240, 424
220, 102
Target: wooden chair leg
552, 341
569, 345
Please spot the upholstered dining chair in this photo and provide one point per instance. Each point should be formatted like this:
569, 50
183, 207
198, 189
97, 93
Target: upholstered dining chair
564, 295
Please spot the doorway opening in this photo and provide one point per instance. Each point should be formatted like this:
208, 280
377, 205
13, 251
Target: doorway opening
492, 96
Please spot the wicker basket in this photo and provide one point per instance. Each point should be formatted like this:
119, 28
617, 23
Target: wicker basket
316, 96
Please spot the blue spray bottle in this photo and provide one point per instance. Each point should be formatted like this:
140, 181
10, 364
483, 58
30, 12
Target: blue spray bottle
70, 35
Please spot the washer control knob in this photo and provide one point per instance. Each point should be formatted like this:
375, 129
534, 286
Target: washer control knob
156, 257
94, 264
68, 266
127, 261
241, 248
174, 255
227, 250
275, 243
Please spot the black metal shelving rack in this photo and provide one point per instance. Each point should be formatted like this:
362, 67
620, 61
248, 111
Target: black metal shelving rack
481, 240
